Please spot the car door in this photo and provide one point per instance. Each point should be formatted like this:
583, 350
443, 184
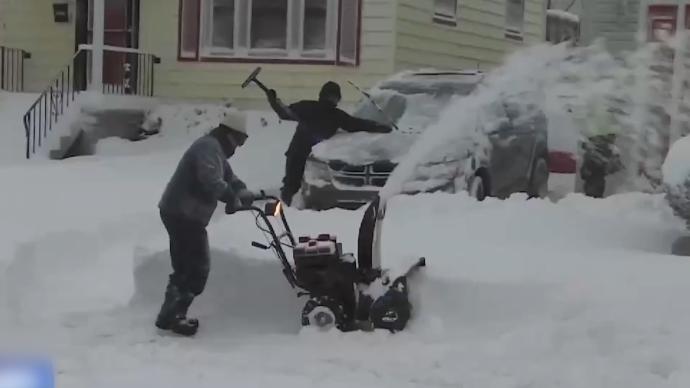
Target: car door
501, 136
524, 122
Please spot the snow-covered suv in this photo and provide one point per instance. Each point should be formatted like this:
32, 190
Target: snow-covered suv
350, 168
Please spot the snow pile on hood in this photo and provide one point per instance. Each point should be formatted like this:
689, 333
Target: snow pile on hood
364, 148
676, 170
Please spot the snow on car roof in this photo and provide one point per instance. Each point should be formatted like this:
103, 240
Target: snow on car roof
460, 82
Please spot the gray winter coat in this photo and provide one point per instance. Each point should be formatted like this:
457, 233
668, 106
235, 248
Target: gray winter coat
202, 178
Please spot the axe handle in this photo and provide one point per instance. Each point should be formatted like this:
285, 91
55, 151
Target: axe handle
261, 85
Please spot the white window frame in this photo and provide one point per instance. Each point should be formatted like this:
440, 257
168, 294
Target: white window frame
329, 51
293, 51
444, 18
510, 31
206, 49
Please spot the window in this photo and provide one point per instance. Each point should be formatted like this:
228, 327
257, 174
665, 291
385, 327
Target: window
189, 28
315, 24
515, 18
446, 12
562, 26
349, 31
274, 30
661, 22
219, 32
269, 20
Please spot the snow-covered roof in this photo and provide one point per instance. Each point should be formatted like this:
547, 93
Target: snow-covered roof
561, 14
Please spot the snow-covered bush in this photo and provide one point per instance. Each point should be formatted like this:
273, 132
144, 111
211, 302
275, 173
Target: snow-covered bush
676, 174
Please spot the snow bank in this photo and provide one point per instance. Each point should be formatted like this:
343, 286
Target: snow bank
514, 292
676, 168
676, 174
178, 125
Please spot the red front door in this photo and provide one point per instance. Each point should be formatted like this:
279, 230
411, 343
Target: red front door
121, 25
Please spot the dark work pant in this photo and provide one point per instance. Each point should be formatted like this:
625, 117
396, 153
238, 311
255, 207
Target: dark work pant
294, 172
189, 253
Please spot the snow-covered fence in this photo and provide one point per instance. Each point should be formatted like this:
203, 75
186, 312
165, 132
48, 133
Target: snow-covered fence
12, 68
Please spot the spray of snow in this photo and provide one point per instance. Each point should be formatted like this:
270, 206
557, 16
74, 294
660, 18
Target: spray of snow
569, 84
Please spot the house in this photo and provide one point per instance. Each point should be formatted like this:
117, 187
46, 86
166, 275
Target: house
623, 24
204, 49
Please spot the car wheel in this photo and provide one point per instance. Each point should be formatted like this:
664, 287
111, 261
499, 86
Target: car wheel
539, 181
478, 187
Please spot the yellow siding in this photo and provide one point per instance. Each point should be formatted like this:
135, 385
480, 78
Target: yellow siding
29, 25
159, 25
478, 40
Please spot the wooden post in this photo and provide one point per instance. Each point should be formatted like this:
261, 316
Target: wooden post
97, 51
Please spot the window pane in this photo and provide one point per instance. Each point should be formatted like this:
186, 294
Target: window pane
515, 14
269, 24
190, 28
315, 12
349, 27
223, 23
297, 21
446, 7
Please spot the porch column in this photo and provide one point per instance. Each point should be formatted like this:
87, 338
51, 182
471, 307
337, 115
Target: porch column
97, 51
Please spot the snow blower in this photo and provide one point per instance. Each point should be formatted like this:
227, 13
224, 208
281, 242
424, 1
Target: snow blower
342, 291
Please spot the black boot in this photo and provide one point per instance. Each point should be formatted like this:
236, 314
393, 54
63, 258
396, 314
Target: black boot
168, 311
181, 324
173, 313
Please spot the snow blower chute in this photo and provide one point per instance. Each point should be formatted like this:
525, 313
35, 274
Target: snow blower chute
336, 283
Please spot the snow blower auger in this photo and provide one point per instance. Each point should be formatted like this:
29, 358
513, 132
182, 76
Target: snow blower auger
338, 285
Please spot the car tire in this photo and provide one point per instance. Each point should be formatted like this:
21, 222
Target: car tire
478, 187
539, 179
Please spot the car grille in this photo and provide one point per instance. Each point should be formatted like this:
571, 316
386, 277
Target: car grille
375, 174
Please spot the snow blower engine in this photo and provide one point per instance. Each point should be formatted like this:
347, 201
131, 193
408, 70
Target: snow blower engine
343, 292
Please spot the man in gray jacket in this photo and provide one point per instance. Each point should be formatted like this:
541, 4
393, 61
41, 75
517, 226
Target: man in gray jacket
202, 178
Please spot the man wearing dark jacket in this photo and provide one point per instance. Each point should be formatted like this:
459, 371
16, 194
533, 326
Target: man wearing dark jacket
317, 121
202, 178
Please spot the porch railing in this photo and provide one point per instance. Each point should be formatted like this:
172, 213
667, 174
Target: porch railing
12, 68
126, 71
51, 104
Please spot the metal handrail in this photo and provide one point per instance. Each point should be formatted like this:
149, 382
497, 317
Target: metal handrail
134, 76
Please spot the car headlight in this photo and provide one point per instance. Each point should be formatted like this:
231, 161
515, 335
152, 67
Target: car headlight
317, 173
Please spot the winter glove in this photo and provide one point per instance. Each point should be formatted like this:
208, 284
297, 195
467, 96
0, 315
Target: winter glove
246, 197
230, 208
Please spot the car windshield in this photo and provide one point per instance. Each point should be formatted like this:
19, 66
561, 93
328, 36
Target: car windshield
411, 104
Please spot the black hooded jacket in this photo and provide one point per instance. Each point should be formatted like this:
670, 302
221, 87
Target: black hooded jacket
318, 121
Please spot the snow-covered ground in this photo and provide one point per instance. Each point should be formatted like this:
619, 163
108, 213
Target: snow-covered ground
517, 293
